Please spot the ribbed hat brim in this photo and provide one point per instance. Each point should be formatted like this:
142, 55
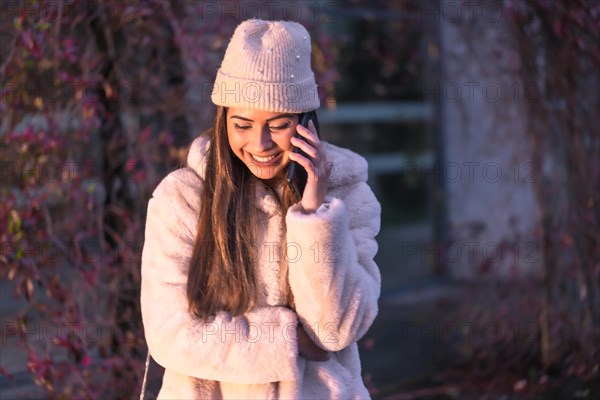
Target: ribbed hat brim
293, 97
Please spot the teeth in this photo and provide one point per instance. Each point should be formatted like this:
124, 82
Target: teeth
263, 159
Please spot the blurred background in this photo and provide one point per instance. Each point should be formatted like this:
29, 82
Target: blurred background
479, 120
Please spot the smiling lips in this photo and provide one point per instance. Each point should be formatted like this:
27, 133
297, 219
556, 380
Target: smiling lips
266, 161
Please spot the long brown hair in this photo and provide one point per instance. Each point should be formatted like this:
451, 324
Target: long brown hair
221, 274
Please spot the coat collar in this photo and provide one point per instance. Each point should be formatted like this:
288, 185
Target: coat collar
347, 168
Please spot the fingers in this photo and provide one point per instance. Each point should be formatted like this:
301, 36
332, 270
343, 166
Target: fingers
309, 134
314, 353
308, 165
307, 148
308, 349
311, 146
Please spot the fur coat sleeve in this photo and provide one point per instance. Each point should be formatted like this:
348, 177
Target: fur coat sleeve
334, 279
241, 349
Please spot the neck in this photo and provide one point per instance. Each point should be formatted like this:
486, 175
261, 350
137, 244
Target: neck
275, 182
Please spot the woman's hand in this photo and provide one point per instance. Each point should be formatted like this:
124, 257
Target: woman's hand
315, 166
308, 349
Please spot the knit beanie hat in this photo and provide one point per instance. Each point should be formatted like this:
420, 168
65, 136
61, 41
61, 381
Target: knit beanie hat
267, 67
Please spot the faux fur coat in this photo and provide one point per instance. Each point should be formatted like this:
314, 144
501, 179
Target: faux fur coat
332, 275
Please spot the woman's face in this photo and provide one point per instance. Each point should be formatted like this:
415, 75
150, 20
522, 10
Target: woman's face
261, 139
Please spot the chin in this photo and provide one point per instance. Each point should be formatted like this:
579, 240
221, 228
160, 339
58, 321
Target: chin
265, 173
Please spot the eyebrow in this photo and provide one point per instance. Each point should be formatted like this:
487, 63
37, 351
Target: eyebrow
287, 115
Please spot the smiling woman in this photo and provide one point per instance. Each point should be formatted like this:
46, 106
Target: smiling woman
261, 139
247, 291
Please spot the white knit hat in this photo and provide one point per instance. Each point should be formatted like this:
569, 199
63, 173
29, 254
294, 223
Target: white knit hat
267, 67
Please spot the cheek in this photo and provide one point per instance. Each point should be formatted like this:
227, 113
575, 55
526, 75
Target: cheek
285, 141
234, 141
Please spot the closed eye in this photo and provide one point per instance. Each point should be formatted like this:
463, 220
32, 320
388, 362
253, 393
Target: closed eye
243, 128
280, 128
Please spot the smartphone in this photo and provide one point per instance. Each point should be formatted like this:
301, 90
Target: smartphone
296, 174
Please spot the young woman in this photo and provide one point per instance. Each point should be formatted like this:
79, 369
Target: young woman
248, 291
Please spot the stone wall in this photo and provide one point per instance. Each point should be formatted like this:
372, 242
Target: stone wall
487, 171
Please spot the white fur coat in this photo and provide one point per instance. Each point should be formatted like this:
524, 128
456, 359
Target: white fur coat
332, 275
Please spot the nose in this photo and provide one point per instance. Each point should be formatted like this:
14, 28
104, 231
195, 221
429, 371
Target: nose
262, 140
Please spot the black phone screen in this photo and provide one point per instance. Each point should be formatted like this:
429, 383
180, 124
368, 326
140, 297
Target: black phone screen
297, 176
